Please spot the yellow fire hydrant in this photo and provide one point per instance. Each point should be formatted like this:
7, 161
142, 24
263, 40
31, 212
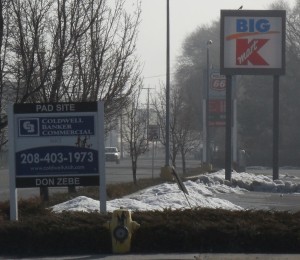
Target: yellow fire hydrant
121, 229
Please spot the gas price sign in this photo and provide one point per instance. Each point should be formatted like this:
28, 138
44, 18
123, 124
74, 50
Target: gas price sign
57, 144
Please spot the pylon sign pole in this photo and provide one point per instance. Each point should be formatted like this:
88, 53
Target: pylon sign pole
228, 133
276, 127
253, 43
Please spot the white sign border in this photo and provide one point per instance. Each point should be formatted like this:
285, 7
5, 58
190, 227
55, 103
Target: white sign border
12, 157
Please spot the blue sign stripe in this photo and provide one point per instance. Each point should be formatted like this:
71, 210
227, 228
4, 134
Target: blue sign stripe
56, 160
56, 126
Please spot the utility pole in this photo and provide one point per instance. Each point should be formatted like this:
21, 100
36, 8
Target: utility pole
205, 107
148, 111
121, 135
166, 171
167, 163
208, 151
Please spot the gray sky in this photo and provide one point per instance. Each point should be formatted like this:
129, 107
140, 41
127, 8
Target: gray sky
185, 17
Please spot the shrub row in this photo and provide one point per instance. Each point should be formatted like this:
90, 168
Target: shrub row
194, 230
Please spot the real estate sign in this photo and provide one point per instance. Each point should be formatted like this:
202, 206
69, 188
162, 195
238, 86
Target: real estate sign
57, 144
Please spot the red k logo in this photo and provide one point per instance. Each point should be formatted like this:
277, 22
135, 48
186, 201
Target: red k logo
248, 51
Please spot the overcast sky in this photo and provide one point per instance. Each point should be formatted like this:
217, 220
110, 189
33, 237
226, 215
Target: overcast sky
185, 17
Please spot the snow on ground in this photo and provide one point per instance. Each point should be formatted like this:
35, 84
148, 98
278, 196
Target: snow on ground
201, 193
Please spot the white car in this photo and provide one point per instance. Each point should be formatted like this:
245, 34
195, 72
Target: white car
112, 154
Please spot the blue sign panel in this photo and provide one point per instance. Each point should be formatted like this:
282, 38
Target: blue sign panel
56, 126
55, 160
57, 144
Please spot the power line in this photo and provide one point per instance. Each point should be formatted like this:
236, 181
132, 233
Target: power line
158, 76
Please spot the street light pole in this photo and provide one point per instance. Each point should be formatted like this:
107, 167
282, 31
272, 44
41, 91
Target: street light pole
168, 88
166, 171
209, 42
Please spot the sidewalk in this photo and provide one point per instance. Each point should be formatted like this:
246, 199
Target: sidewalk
174, 256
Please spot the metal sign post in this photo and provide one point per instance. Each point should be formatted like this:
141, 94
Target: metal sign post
228, 133
12, 169
276, 127
101, 158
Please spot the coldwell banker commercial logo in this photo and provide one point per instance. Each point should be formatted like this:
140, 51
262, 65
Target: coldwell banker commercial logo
57, 126
29, 127
252, 40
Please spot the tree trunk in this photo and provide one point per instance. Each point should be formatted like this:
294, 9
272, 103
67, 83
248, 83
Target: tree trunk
134, 167
72, 189
173, 157
183, 162
44, 194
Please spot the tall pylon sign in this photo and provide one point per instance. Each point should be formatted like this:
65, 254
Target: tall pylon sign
252, 43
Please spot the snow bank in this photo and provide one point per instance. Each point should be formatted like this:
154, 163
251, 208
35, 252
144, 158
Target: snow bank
201, 193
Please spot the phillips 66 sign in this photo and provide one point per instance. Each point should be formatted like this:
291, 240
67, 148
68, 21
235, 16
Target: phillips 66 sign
252, 42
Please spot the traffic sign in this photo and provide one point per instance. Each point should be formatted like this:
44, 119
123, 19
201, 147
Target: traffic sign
153, 132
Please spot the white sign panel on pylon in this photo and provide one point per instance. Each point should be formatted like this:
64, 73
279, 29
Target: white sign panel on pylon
253, 42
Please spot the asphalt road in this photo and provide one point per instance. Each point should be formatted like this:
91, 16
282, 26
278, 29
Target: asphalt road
265, 201
115, 173
148, 168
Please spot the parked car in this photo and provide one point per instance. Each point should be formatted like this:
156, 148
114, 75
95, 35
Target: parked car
112, 154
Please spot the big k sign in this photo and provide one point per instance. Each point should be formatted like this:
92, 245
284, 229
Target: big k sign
252, 42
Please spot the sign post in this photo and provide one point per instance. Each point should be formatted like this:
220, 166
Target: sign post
154, 136
276, 127
56, 145
253, 43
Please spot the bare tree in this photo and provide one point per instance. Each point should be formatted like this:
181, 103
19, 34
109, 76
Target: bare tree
292, 29
65, 50
4, 25
159, 105
183, 138
135, 131
72, 51
187, 138
106, 66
